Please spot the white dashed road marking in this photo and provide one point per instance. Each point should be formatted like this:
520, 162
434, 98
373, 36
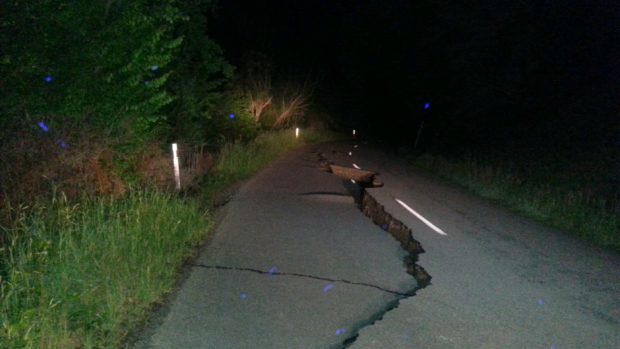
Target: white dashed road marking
420, 217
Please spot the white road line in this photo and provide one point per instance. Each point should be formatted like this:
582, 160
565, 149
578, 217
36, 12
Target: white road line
357, 167
424, 220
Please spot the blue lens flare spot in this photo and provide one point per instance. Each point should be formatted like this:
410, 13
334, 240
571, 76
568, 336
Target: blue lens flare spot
154, 68
231, 116
340, 331
48, 79
62, 144
427, 106
541, 301
328, 287
273, 270
43, 127
243, 296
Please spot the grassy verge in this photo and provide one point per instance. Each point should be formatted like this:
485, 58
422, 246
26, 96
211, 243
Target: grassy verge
567, 209
77, 275
82, 275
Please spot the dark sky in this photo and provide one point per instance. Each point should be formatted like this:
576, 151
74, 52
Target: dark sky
496, 72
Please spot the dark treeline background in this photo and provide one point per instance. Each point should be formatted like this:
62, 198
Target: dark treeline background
527, 80
518, 74
534, 83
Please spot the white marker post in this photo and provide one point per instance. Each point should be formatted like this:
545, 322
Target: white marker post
296, 132
175, 161
354, 132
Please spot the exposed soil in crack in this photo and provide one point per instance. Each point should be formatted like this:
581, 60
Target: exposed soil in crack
376, 212
314, 277
403, 234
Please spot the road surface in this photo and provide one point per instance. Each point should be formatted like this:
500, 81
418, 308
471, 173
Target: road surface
295, 264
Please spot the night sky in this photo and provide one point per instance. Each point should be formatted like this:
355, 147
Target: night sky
498, 74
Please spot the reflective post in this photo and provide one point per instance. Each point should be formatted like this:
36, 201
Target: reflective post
175, 161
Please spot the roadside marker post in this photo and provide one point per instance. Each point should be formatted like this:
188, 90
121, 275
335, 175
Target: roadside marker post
296, 132
175, 161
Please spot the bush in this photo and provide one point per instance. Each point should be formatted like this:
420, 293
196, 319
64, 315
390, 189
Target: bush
199, 73
90, 63
87, 86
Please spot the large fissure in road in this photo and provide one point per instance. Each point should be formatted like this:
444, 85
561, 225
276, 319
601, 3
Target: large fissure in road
376, 212
370, 207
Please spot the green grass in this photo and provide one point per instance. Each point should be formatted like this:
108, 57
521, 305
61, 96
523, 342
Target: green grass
77, 275
571, 210
83, 275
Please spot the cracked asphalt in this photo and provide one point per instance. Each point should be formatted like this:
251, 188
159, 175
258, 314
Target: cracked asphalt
498, 280
295, 264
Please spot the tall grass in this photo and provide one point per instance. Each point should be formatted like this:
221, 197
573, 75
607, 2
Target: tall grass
83, 275
76, 275
571, 210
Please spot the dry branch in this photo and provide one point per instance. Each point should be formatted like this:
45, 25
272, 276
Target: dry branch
258, 105
292, 107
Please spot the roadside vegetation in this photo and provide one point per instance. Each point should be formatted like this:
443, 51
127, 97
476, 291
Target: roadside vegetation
80, 275
539, 193
92, 230
83, 273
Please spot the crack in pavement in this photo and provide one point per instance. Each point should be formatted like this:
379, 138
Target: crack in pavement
371, 208
258, 271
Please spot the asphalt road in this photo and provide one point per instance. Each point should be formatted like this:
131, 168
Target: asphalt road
295, 264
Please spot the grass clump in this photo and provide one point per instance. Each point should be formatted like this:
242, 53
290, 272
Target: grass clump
569, 209
76, 275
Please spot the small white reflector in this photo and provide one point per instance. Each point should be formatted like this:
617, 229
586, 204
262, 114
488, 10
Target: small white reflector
297, 132
357, 167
